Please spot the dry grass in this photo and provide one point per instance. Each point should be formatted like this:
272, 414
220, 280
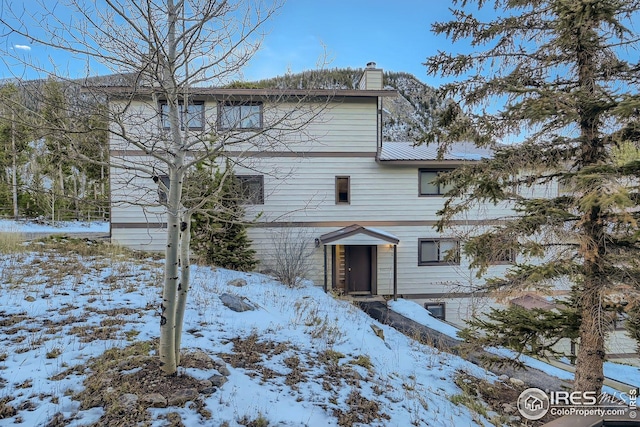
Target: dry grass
11, 242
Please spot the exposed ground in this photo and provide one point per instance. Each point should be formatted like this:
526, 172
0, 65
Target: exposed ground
78, 336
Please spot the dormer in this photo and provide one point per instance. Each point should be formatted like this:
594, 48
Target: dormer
371, 78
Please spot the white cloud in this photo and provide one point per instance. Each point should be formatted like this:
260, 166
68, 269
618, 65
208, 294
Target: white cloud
21, 47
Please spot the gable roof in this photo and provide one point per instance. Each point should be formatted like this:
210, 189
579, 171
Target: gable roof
355, 229
410, 152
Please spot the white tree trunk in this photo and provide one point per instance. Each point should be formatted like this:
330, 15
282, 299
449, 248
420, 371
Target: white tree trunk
185, 278
171, 277
168, 325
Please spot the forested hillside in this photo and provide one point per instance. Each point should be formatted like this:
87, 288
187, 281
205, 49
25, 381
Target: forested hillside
43, 122
406, 117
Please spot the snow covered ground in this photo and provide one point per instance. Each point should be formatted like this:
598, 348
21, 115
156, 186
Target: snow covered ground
624, 373
62, 307
31, 226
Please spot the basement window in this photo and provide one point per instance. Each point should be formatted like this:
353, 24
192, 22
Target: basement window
436, 309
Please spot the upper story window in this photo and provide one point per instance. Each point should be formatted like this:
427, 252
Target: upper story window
438, 251
427, 182
240, 115
251, 189
191, 115
343, 190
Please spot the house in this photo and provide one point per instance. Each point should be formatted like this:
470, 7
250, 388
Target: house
365, 208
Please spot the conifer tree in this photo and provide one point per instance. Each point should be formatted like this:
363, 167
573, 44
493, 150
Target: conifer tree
219, 233
561, 78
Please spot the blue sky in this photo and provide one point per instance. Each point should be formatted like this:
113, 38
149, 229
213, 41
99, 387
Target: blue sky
395, 35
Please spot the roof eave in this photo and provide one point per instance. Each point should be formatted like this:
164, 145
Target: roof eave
425, 162
146, 92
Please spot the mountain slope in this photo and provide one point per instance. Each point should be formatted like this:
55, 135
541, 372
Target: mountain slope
406, 117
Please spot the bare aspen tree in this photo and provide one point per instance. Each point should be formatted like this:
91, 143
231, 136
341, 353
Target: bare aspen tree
164, 52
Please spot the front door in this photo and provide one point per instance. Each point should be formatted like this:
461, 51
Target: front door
359, 266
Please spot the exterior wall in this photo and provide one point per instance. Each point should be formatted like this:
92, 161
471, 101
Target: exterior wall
334, 127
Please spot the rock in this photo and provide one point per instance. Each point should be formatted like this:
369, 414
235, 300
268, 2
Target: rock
504, 378
378, 331
208, 390
180, 397
235, 303
516, 382
128, 401
155, 400
239, 282
218, 380
29, 298
223, 370
204, 384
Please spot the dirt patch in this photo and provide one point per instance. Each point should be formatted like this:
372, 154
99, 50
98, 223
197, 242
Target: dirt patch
248, 352
11, 319
332, 369
122, 381
361, 410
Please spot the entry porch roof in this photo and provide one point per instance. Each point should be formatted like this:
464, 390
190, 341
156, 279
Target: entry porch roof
358, 235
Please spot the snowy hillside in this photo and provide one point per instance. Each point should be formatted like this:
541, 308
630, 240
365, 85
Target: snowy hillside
79, 323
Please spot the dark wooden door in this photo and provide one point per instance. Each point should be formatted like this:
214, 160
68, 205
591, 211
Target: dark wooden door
358, 263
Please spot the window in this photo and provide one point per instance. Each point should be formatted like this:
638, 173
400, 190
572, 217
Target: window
437, 251
427, 185
247, 115
162, 196
437, 309
251, 189
343, 190
192, 116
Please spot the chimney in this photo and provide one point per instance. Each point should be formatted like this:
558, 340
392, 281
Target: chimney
371, 78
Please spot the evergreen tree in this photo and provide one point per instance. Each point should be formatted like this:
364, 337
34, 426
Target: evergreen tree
535, 332
562, 76
219, 234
